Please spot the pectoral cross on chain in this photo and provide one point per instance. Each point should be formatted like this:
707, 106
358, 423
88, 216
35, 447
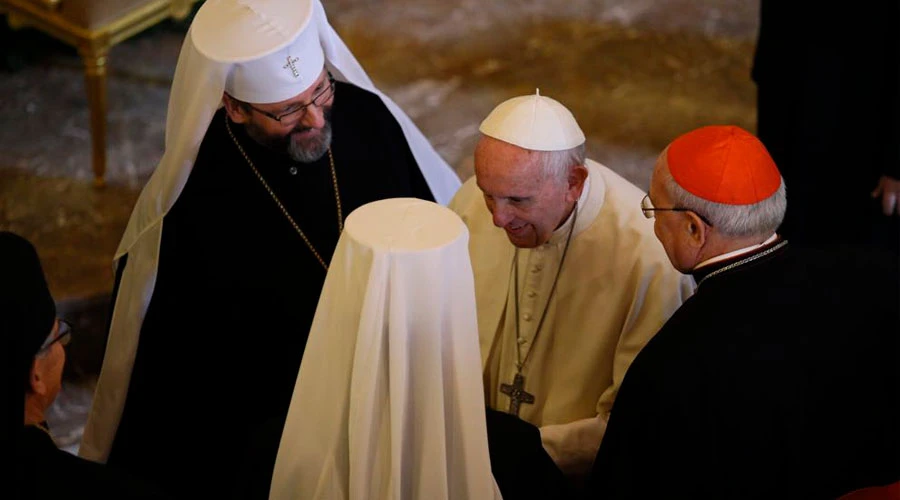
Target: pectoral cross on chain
517, 394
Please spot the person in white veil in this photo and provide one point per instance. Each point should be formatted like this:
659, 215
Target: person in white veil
222, 262
388, 402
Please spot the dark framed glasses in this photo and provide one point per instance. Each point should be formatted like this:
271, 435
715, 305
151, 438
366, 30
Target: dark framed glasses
299, 112
63, 336
648, 210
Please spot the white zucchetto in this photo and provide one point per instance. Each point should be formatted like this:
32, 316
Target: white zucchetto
533, 122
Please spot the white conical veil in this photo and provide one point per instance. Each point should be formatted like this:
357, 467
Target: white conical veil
389, 401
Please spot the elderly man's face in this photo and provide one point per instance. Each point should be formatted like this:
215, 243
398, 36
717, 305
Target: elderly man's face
671, 228
527, 204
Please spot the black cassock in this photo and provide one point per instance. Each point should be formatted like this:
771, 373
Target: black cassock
236, 291
44, 472
777, 379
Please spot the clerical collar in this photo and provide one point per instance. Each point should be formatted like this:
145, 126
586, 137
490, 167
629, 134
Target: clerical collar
562, 232
740, 251
736, 258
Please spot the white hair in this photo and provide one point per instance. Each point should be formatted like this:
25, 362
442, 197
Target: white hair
756, 219
556, 164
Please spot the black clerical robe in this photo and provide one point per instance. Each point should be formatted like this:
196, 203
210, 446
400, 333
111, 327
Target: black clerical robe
225, 330
44, 472
777, 379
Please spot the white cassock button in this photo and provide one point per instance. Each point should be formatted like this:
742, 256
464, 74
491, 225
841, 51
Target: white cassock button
521, 340
527, 316
293, 170
532, 294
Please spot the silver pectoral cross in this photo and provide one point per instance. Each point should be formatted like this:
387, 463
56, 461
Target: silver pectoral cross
517, 394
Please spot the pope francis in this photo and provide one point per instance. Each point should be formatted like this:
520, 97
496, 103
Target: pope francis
570, 281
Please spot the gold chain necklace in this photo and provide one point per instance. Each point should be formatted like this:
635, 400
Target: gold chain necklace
520, 363
741, 262
337, 196
516, 390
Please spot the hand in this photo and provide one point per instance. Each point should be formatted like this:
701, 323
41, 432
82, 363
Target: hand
574, 446
889, 190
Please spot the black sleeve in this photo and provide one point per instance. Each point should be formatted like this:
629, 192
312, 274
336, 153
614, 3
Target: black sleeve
521, 466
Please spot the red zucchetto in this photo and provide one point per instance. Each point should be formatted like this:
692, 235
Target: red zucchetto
723, 164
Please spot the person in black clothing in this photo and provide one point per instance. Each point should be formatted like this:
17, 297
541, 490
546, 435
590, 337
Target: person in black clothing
28, 315
828, 111
779, 377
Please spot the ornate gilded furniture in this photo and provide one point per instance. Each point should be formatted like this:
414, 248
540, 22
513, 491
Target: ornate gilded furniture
93, 27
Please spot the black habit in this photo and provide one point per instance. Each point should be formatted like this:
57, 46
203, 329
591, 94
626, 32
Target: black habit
779, 378
236, 291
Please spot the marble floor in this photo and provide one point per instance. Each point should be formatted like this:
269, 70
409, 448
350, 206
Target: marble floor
635, 73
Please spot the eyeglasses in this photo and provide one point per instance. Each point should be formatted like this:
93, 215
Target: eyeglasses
647, 208
63, 336
297, 113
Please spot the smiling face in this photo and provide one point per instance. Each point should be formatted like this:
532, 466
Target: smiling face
528, 204
304, 135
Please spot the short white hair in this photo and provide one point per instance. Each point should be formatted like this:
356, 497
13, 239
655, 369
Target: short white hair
756, 219
556, 164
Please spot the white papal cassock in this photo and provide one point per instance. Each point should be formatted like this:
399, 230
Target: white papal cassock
388, 402
615, 290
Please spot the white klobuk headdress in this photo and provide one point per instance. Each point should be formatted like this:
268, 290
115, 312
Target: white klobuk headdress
389, 401
255, 49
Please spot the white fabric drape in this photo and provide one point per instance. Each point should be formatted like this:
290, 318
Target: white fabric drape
389, 399
195, 96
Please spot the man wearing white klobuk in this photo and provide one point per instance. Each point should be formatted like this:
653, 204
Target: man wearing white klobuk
570, 281
223, 259
388, 400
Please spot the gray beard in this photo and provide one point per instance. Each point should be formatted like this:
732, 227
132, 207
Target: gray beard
310, 151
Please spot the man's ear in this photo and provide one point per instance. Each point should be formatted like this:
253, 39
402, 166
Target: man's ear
697, 230
575, 180
235, 111
38, 386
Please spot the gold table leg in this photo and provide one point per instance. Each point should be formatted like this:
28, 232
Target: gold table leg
95, 83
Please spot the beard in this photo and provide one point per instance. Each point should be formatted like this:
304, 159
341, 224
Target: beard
304, 149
